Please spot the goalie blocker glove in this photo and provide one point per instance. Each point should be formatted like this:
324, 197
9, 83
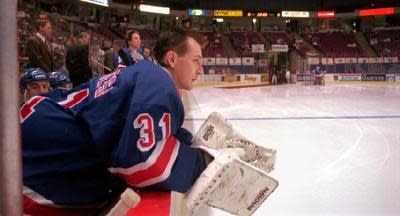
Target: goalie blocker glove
230, 184
217, 133
236, 180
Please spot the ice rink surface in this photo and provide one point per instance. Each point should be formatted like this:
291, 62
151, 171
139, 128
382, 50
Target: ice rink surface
338, 146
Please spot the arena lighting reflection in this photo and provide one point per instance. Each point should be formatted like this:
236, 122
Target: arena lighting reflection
97, 2
154, 9
377, 11
325, 14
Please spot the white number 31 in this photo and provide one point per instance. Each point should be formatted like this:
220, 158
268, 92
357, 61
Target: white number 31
147, 137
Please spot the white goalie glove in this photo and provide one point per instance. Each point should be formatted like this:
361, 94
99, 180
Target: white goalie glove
236, 180
230, 184
217, 133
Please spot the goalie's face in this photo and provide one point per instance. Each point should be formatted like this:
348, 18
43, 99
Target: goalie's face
187, 67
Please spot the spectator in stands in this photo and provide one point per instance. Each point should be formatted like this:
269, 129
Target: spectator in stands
39, 48
130, 54
108, 57
77, 60
70, 40
186, 22
33, 81
214, 25
97, 59
147, 54
43, 16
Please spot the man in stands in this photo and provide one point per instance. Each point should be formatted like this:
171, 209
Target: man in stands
33, 81
147, 54
77, 60
186, 22
108, 57
42, 16
120, 130
130, 54
39, 48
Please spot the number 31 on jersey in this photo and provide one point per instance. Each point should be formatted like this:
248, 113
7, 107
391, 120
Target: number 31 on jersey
147, 136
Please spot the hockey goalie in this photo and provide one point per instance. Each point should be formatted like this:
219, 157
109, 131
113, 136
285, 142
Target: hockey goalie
236, 180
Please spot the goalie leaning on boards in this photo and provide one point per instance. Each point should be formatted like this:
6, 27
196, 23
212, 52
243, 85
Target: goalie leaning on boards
82, 147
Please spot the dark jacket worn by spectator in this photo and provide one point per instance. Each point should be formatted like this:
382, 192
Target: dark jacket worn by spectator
39, 49
77, 60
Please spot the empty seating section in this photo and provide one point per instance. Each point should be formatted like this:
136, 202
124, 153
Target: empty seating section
303, 49
335, 44
214, 46
283, 38
242, 42
386, 43
279, 38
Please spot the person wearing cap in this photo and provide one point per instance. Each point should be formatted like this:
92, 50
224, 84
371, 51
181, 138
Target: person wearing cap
59, 80
34, 81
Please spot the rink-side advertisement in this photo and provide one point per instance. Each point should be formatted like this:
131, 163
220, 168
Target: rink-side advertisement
391, 77
397, 77
347, 77
373, 77
363, 77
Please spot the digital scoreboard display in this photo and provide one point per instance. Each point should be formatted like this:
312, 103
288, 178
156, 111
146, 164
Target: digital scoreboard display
196, 12
228, 13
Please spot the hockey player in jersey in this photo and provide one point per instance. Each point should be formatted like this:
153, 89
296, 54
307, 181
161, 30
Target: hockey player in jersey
33, 81
59, 79
123, 129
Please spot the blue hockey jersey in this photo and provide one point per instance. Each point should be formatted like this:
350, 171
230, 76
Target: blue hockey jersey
80, 147
124, 57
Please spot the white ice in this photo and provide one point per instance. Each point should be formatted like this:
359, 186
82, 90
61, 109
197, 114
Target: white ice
338, 146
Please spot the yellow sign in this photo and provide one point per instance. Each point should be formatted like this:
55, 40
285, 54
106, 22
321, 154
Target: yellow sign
231, 13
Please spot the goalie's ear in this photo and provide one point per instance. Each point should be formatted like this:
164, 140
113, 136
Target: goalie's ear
170, 59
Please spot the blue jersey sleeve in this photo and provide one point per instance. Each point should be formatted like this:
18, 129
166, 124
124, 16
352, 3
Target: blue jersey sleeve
82, 146
59, 163
138, 117
148, 153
